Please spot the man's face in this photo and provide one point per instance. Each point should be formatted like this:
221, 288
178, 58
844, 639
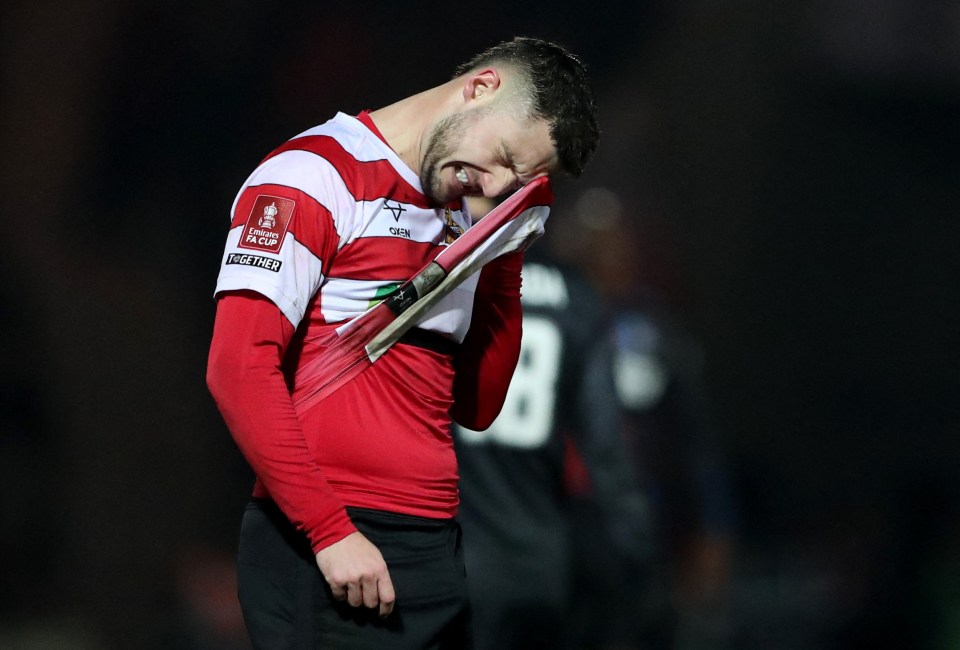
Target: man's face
482, 151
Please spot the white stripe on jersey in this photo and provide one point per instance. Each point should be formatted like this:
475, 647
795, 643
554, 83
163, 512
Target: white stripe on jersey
289, 288
363, 145
346, 299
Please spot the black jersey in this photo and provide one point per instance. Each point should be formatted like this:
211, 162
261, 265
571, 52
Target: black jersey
512, 488
515, 510
660, 385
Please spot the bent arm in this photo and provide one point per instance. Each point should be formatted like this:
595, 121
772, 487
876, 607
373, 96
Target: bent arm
491, 349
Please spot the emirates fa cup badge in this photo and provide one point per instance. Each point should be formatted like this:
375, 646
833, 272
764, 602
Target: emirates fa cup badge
267, 223
269, 218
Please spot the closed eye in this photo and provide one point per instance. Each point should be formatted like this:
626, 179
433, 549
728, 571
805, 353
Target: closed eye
506, 157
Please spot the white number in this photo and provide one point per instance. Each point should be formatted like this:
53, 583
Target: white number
528, 411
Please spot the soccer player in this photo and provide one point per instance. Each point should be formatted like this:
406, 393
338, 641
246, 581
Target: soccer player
515, 508
679, 454
350, 539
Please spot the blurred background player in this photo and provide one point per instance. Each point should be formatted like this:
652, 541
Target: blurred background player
686, 476
515, 509
683, 598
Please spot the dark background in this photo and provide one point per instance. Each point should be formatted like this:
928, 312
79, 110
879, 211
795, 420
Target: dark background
785, 173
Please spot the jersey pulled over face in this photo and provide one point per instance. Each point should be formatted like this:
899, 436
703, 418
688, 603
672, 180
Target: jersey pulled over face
483, 151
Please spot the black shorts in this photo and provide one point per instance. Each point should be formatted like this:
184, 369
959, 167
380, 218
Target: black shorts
519, 593
287, 604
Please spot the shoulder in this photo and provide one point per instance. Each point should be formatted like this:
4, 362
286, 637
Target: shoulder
337, 144
319, 162
340, 139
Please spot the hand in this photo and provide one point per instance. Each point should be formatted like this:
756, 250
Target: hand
357, 573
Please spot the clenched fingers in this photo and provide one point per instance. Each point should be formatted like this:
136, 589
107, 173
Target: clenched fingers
369, 591
339, 591
385, 596
356, 573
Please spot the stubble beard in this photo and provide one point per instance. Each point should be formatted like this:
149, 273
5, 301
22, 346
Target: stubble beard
444, 137
440, 146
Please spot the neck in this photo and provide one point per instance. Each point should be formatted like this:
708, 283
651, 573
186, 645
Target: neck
406, 124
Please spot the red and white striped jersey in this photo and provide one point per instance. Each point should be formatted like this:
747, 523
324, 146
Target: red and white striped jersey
329, 223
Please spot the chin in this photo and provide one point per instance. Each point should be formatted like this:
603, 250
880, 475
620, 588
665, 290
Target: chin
442, 196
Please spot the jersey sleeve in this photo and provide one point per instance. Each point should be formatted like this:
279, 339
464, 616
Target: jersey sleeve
281, 237
245, 378
488, 356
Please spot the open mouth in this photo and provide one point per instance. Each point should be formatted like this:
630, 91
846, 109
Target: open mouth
463, 178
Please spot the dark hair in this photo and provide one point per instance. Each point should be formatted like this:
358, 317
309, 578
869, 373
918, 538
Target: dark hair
560, 92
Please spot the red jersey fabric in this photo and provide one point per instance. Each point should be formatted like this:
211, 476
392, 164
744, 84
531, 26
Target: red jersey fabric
336, 222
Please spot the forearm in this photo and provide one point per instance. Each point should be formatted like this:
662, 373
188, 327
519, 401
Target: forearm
491, 349
245, 379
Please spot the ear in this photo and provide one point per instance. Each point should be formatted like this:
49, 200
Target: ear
482, 83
